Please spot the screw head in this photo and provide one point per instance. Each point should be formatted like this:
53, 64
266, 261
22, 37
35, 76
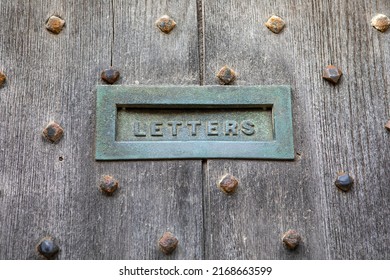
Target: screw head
53, 132
275, 24
110, 75
55, 24
168, 243
226, 75
291, 239
166, 24
2, 78
108, 185
228, 184
380, 22
47, 247
343, 181
387, 125
332, 74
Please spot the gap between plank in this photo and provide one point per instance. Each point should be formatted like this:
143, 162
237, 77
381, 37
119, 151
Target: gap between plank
201, 40
113, 31
204, 186
201, 51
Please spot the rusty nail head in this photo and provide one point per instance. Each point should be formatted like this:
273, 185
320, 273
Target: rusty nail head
291, 239
2, 78
387, 125
332, 74
53, 132
55, 24
168, 243
47, 247
275, 24
226, 75
228, 184
343, 181
380, 22
108, 185
165, 24
110, 75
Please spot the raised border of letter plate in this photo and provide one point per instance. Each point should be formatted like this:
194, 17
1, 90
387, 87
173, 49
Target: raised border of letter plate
109, 98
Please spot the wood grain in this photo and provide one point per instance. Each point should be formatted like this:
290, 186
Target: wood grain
50, 77
53, 77
335, 128
158, 195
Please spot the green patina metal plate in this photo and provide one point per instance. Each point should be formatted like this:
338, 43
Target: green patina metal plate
168, 122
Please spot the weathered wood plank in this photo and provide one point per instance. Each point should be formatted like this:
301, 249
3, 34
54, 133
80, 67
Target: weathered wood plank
50, 77
336, 128
157, 195
146, 55
53, 77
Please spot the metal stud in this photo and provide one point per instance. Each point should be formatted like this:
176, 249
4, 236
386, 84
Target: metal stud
228, 184
343, 181
387, 125
165, 24
291, 239
380, 22
2, 78
53, 132
55, 24
226, 75
332, 74
168, 243
108, 185
275, 24
110, 75
47, 248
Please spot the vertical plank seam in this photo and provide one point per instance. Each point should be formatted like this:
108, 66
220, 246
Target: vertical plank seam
201, 40
201, 53
113, 32
204, 183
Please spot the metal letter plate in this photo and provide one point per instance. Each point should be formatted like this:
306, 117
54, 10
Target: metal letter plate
169, 122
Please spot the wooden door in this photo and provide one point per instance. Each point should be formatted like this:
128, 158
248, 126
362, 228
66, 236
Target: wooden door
52, 189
